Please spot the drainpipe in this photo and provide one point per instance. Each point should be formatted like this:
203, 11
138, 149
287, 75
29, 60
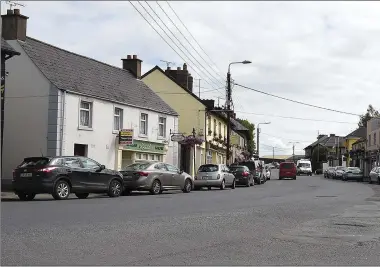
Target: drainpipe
63, 103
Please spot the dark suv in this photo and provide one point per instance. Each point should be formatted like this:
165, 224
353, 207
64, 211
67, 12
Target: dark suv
254, 168
61, 176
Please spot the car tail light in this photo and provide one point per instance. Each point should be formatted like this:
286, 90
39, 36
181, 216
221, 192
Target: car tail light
143, 173
48, 169
245, 174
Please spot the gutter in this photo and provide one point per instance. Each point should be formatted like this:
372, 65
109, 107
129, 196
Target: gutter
63, 106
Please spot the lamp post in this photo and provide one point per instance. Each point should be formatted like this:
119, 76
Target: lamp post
258, 137
294, 144
228, 106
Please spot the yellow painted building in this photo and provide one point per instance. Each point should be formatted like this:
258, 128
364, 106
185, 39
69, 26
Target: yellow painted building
192, 117
350, 139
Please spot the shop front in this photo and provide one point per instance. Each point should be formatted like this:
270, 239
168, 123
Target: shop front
140, 151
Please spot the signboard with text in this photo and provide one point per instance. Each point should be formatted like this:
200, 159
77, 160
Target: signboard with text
126, 137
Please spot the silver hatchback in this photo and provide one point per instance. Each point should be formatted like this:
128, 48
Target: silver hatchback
214, 175
374, 176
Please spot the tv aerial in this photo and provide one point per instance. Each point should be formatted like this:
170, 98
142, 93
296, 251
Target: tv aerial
168, 63
13, 4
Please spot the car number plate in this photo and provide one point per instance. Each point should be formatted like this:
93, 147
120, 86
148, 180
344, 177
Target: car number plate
204, 177
28, 174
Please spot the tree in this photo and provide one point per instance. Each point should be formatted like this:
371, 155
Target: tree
251, 144
371, 112
319, 155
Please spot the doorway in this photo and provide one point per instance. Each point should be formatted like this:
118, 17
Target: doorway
80, 150
185, 158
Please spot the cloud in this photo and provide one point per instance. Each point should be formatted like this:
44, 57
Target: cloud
322, 53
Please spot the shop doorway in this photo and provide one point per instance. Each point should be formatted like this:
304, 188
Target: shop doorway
80, 150
185, 158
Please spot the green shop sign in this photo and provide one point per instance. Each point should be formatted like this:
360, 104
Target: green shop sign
144, 146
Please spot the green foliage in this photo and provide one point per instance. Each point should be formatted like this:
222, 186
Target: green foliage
251, 135
315, 159
371, 112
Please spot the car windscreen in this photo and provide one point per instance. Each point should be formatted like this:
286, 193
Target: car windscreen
353, 169
138, 166
237, 168
287, 166
340, 168
34, 162
208, 168
304, 165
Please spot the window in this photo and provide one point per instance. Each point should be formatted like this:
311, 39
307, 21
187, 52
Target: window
144, 124
73, 163
85, 114
89, 163
158, 157
145, 156
374, 138
118, 119
209, 125
225, 132
171, 168
369, 140
208, 168
160, 166
151, 157
162, 127
220, 128
138, 156
214, 127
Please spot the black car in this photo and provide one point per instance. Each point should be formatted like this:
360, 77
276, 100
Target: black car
255, 168
61, 176
243, 176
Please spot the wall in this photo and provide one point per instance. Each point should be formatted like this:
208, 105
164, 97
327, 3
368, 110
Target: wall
26, 111
348, 145
191, 111
101, 139
373, 126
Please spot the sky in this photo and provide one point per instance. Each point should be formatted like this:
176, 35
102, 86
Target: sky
320, 53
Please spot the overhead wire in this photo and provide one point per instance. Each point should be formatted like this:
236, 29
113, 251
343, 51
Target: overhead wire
295, 101
150, 24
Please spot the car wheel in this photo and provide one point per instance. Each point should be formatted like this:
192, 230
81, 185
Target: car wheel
253, 182
209, 188
115, 189
295, 178
61, 190
26, 197
222, 185
248, 183
233, 186
156, 188
82, 195
259, 181
378, 180
188, 186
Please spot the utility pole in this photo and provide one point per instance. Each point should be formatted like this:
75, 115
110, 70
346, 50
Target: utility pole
228, 100
199, 87
258, 137
273, 156
294, 144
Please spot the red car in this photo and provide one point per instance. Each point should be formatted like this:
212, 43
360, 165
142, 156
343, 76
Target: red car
288, 170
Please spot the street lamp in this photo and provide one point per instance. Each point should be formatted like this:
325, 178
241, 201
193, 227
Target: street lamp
258, 137
294, 144
228, 106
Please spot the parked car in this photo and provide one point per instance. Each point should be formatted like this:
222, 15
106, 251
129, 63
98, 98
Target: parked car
155, 177
267, 171
353, 173
61, 176
287, 170
254, 168
338, 172
374, 175
214, 175
243, 176
329, 172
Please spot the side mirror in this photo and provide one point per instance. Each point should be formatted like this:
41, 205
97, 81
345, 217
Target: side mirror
180, 171
102, 167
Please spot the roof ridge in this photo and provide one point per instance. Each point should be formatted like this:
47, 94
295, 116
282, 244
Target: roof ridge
79, 55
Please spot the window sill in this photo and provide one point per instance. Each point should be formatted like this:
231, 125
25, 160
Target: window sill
115, 131
143, 136
162, 138
84, 128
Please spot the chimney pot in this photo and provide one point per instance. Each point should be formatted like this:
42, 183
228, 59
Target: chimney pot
16, 11
9, 12
178, 68
168, 68
184, 66
133, 64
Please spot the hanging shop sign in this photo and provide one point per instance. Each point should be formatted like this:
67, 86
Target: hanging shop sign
177, 137
126, 137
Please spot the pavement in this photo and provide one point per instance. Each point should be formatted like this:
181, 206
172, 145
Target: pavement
308, 221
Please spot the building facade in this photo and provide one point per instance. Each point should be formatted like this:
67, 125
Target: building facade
373, 142
349, 140
61, 103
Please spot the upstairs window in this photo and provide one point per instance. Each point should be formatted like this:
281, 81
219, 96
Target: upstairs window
144, 124
162, 127
85, 114
118, 119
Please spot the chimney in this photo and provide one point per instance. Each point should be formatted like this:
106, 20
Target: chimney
133, 64
182, 77
332, 135
210, 103
14, 25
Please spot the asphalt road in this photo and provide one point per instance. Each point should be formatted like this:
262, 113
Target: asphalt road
309, 221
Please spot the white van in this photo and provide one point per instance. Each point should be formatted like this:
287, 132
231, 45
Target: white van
304, 167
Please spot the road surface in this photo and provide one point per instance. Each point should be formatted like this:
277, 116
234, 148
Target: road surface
308, 221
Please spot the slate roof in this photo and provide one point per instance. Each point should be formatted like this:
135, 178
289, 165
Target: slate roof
237, 126
79, 74
360, 132
328, 141
5, 47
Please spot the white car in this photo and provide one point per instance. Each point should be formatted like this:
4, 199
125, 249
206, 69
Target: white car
374, 175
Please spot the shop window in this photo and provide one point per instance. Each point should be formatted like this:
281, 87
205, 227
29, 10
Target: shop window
158, 157
145, 156
151, 157
138, 156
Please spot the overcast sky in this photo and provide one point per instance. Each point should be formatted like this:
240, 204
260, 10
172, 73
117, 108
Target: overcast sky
321, 53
